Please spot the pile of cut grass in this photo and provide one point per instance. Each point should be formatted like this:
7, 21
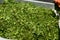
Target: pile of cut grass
25, 21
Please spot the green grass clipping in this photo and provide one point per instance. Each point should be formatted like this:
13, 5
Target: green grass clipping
25, 21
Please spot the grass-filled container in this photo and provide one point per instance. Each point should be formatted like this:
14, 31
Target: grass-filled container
25, 21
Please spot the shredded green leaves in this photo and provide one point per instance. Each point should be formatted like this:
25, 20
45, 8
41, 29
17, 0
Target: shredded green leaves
24, 21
